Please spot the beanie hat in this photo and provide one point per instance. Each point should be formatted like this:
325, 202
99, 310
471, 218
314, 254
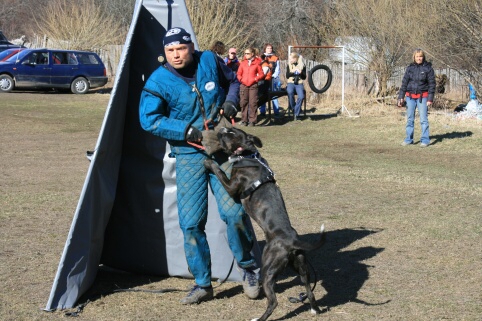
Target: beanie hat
176, 36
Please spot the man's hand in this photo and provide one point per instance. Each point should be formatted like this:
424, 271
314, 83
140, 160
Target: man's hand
229, 109
193, 135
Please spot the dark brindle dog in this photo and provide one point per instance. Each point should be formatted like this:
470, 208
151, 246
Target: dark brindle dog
253, 182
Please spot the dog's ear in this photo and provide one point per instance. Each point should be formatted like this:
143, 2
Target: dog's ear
257, 142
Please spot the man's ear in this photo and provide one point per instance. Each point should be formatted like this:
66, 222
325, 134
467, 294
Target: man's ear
191, 47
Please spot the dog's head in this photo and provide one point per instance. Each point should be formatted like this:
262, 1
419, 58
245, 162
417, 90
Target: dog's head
234, 141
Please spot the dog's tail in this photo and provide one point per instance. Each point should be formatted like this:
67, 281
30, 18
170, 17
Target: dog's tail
300, 245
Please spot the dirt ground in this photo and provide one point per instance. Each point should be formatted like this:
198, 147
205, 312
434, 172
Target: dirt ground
403, 223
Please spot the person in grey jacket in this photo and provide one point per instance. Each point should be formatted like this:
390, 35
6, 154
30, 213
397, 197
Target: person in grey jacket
418, 90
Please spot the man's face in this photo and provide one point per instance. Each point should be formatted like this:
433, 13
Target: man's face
179, 56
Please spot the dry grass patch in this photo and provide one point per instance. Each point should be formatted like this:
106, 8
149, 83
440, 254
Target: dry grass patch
403, 223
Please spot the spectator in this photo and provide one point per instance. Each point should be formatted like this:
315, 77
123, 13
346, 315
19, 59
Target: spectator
418, 87
218, 48
175, 102
231, 60
249, 73
274, 84
295, 74
263, 85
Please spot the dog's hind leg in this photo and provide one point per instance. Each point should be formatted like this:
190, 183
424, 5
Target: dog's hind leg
275, 259
299, 264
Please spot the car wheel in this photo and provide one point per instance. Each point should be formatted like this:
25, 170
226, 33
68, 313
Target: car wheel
6, 83
79, 86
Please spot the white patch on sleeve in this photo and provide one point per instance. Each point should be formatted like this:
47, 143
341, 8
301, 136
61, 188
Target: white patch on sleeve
210, 86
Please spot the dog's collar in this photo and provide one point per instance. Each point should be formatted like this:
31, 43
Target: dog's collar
254, 159
237, 158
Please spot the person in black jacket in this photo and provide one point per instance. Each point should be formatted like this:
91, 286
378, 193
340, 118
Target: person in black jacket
418, 88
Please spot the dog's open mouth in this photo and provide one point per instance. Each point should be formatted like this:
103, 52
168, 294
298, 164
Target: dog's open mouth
238, 151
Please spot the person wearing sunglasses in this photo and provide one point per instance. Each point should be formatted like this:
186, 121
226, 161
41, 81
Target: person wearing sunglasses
249, 73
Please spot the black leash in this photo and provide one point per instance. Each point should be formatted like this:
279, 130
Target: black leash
173, 290
79, 310
303, 296
160, 291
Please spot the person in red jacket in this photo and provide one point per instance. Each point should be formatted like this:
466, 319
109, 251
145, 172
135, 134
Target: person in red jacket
249, 73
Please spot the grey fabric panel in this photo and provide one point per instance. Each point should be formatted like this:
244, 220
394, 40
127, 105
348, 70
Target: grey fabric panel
80, 259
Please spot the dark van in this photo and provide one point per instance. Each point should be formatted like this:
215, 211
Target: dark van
49, 68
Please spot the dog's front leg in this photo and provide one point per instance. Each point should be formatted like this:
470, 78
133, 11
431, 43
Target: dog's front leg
230, 186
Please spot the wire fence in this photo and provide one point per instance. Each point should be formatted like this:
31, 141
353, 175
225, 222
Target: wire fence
358, 80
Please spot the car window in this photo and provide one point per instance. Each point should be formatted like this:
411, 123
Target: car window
72, 59
87, 59
6, 53
63, 58
37, 58
43, 58
18, 56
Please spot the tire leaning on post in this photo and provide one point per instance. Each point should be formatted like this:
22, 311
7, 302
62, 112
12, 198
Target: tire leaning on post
328, 80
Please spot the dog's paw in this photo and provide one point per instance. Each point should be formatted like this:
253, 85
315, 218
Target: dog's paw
315, 310
208, 163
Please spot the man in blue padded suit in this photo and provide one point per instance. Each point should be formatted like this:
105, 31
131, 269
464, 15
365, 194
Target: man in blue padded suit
177, 100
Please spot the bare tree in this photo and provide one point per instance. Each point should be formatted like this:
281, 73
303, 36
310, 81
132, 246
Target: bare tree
455, 39
225, 21
120, 10
13, 14
384, 27
290, 22
78, 25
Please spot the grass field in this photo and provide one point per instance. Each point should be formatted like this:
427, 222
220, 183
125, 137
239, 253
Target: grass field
403, 223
